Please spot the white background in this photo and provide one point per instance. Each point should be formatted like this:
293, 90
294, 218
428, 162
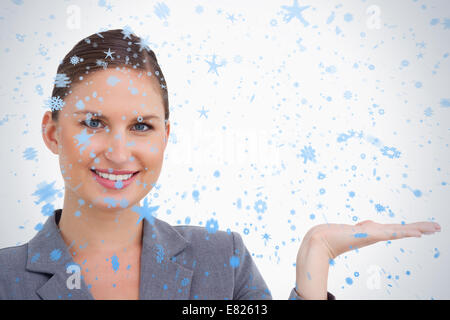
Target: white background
268, 101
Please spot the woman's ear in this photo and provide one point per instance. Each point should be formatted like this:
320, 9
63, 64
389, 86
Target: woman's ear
166, 137
50, 132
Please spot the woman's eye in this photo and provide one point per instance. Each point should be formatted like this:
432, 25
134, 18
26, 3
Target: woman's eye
142, 126
92, 123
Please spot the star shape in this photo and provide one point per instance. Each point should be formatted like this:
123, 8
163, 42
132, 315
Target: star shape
83, 139
295, 11
127, 32
145, 212
144, 44
203, 112
231, 17
109, 53
213, 65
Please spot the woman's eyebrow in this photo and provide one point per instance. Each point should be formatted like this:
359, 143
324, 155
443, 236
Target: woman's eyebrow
94, 114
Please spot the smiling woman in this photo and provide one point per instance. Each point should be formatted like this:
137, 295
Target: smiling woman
109, 126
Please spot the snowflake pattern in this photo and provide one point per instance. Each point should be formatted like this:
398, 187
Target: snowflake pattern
260, 206
62, 80
395, 153
212, 225
75, 60
307, 153
55, 103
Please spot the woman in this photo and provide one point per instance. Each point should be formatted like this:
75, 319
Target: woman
109, 126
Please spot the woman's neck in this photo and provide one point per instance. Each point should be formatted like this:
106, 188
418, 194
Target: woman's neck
91, 230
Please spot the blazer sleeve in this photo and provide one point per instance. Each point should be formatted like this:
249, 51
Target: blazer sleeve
248, 281
295, 296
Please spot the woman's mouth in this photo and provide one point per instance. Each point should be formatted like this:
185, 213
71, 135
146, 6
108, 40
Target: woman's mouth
113, 181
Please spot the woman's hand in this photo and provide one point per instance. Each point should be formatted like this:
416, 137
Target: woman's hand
327, 241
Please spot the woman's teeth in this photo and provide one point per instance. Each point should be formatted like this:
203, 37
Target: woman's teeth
114, 177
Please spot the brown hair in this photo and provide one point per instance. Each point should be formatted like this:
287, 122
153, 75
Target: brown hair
89, 55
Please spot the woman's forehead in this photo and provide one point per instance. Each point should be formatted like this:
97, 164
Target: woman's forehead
116, 91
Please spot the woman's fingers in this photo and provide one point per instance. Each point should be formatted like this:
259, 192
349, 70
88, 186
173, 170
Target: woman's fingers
398, 231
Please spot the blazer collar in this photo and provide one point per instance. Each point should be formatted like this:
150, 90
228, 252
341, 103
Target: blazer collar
162, 276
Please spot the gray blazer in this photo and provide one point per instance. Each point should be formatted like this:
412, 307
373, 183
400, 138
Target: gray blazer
177, 262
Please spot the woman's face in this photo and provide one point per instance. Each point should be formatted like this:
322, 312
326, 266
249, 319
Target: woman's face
112, 122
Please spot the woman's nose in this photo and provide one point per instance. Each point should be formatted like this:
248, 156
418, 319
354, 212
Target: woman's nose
117, 149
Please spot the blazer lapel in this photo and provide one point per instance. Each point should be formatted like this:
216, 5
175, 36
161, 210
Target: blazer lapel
48, 253
162, 275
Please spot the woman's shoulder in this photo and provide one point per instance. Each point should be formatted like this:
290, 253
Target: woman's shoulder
13, 258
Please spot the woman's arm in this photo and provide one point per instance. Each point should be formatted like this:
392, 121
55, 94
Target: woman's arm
327, 241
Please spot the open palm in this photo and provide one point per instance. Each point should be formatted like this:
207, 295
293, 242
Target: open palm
340, 238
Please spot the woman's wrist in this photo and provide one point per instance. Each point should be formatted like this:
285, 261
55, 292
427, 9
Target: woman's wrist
312, 270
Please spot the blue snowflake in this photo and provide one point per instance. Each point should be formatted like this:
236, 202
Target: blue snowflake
83, 139
213, 65
146, 212
30, 154
127, 32
55, 103
144, 44
159, 253
395, 153
62, 80
446, 23
266, 238
347, 95
212, 225
161, 10
307, 154
203, 112
428, 112
260, 206
445, 102
295, 12
48, 209
75, 60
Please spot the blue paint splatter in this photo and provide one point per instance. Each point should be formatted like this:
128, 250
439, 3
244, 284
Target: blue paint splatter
195, 195
112, 81
159, 253
260, 206
35, 257
348, 17
437, 254
46, 192
445, 102
30, 154
80, 105
360, 235
115, 263
234, 261
349, 280
212, 225
55, 255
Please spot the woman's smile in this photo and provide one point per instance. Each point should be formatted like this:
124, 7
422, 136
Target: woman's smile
114, 181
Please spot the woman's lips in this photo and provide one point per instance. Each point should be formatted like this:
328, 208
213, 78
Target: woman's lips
110, 184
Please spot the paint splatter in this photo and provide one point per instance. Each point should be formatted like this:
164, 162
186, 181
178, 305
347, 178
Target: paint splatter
112, 81
360, 235
234, 261
46, 192
55, 255
212, 225
115, 263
